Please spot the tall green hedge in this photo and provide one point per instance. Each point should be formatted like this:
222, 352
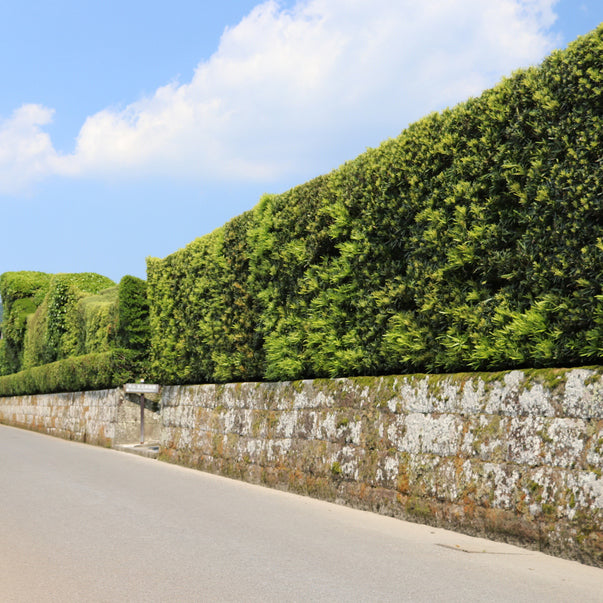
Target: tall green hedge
132, 315
21, 293
54, 324
471, 241
203, 316
97, 317
57, 328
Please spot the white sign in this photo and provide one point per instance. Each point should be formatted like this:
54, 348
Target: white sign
141, 388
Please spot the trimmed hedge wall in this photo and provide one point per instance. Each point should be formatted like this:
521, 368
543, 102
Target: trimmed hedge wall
65, 332
470, 241
97, 317
57, 329
21, 293
204, 317
132, 315
92, 371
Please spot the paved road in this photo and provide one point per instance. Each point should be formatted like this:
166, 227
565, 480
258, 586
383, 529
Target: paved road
80, 523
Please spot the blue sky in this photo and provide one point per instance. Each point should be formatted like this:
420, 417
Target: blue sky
128, 129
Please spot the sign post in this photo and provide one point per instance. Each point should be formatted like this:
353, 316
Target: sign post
142, 389
142, 418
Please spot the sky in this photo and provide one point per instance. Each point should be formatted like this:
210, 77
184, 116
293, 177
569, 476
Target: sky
129, 128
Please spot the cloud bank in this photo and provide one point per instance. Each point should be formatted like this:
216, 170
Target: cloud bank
291, 90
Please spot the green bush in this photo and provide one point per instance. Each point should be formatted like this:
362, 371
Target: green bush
4, 368
75, 318
470, 241
186, 311
68, 331
92, 371
21, 293
58, 328
133, 314
203, 313
97, 316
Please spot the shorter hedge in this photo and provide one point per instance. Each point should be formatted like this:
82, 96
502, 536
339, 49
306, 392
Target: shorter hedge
103, 370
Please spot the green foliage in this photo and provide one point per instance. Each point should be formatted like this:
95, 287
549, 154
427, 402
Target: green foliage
4, 368
470, 241
98, 315
66, 332
21, 293
65, 324
237, 352
18, 285
203, 318
92, 371
133, 314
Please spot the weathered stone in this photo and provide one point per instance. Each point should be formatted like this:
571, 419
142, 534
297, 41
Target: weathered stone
488, 454
102, 417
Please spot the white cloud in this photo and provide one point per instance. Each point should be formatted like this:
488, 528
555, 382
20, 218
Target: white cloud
26, 151
293, 90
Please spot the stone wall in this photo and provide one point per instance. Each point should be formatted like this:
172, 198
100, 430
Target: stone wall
514, 456
103, 417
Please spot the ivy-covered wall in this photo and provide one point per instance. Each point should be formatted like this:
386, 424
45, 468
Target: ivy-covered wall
472, 241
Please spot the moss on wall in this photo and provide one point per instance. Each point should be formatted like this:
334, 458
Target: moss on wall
512, 455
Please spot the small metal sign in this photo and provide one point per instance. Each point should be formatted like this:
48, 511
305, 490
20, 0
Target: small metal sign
141, 388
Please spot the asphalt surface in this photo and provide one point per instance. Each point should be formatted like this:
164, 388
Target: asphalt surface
81, 523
